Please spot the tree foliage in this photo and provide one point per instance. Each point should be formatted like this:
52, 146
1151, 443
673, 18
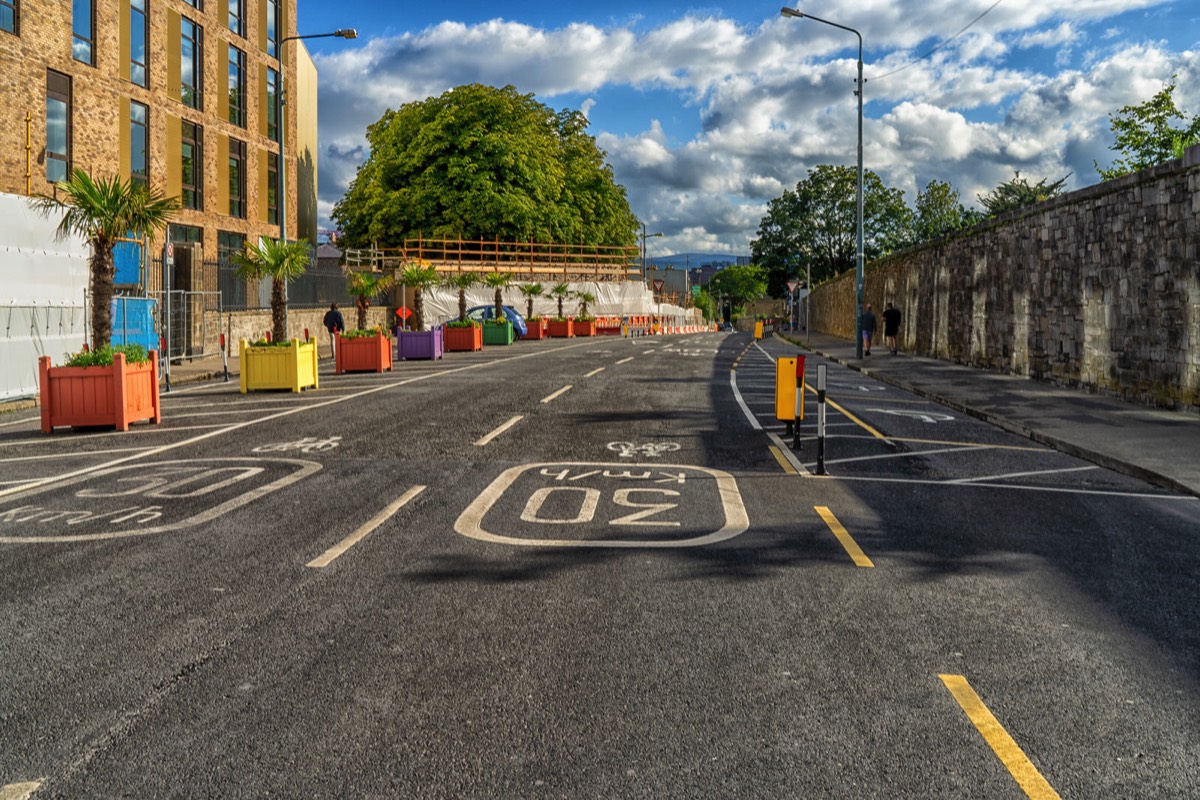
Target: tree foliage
1018, 192
364, 286
816, 226
739, 284
939, 212
1145, 135
280, 261
418, 277
484, 163
103, 210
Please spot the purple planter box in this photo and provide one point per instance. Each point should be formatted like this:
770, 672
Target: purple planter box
419, 344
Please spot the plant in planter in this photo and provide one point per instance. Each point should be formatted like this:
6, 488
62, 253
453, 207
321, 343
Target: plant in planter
562, 327
110, 386
498, 330
363, 350
364, 286
280, 364
102, 211
585, 324
535, 329
419, 343
266, 364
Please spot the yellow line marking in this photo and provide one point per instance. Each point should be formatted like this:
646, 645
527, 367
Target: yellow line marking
19, 791
783, 462
855, 419
843, 536
327, 558
1007, 750
501, 429
560, 392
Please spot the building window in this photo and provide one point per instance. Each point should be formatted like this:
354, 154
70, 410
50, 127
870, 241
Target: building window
185, 234
273, 104
58, 126
237, 179
83, 27
10, 15
139, 119
196, 4
229, 243
237, 87
273, 28
191, 50
139, 34
273, 188
192, 173
237, 17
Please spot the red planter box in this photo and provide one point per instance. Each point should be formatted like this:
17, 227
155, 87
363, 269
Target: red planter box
585, 327
562, 329
83, 397
462, 339
536, 328
363, 354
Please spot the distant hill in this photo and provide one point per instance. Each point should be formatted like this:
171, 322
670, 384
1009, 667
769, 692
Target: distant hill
686, 260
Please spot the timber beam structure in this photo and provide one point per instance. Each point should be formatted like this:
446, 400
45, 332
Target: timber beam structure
532, 261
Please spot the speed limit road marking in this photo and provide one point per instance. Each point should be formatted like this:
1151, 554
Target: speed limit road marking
606, 505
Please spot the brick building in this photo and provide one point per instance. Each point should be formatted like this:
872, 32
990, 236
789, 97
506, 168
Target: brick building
181, 93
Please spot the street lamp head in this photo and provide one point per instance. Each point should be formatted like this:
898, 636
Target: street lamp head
346, 33
791, 12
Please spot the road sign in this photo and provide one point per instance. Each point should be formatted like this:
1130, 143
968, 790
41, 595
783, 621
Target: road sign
403, 312
793, 285
658, 284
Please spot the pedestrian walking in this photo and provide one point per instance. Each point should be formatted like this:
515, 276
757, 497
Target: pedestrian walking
869, 324
891, 326
335, 324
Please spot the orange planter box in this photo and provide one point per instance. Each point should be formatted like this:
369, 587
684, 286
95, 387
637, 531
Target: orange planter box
82, 397
363, 354
585, 327
535, 328
463, 339
562, 329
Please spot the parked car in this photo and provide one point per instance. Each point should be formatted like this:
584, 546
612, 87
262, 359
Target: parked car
480, 313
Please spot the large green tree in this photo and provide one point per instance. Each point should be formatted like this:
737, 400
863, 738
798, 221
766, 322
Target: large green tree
738, 284
484, 163
1145, 135
816, 226
939, 212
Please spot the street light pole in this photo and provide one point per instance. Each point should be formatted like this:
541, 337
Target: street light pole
858, 296
644, 235
281, 115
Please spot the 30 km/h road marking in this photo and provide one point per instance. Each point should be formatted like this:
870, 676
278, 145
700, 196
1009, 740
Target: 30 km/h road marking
1009, 752
843, 536
19, 791
557, 394
328, 557
499, 430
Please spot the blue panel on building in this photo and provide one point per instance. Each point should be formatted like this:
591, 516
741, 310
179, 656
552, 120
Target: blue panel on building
127, 258
133, 322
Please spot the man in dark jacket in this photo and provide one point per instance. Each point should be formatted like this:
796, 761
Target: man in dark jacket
891, 326
334, 323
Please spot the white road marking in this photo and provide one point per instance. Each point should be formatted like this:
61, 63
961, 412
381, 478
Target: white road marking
557, 394
501, 429
21, 421
140, 430
1013, 487
909, 454
328, 557
1023, 474
19, 791
82, 454
930, 417
786, 450
754, 423
625, 360
596, 371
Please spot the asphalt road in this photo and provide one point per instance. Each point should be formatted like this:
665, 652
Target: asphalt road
587, 569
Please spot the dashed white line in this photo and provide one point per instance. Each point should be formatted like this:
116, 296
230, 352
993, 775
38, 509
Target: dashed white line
501, 429
625, 360
1023, 474
328, 557
596, 371
557, 394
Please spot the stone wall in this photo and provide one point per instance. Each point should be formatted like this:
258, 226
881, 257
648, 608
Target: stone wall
1097, 289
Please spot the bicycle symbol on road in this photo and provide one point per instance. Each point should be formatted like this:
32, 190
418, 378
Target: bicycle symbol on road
650, 449
309, 444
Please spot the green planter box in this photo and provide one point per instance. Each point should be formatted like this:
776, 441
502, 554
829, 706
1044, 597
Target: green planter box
498, 333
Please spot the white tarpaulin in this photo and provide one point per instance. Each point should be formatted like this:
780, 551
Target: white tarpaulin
612, 300
43, 304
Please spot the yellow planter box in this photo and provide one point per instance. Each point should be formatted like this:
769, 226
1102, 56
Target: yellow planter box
293, 367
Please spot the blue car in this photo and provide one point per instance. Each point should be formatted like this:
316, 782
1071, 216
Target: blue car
480, 313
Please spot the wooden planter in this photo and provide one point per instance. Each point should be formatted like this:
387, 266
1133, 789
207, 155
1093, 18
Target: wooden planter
585, 327
535, 328
363, 354
293, 367
498, 333
463, 339
562, 328
82, 397
412, 345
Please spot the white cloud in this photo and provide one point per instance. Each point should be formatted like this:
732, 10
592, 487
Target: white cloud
1053, 37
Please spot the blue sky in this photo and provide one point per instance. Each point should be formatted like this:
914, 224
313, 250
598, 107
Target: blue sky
709, 112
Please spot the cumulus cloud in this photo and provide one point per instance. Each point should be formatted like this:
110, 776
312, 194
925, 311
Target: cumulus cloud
771, 101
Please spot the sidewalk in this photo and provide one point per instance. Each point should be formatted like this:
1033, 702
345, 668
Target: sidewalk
1162, 447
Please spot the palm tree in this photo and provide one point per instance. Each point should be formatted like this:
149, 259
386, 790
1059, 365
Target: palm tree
280, 261
561, 291
364, 286
584, 298
461, 281
103, 211
419, 277
531, 290
498, 281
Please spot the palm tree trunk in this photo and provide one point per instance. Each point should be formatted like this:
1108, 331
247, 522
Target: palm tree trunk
362, 304
102, 293
499, 305
419, 308
462, 304
278, 311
